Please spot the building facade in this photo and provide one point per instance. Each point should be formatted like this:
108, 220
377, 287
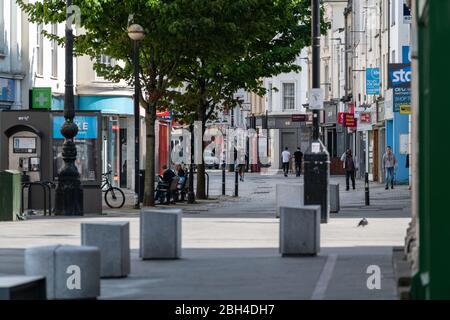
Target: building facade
377, 37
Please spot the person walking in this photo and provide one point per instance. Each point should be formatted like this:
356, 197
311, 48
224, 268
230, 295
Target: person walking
350, 167
298, 156
285, 157
389, 164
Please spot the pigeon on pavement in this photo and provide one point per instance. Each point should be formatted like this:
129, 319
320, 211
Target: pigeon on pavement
363, 223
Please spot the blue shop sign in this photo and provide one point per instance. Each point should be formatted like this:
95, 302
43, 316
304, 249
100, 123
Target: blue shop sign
87, 127
402, 96
7, 90
373, 81
399, 75
406, 57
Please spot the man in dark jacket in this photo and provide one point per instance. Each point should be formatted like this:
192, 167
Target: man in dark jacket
298, 156
350, 166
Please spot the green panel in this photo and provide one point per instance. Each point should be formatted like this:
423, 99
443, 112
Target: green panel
10, 194
41, 98
433, 279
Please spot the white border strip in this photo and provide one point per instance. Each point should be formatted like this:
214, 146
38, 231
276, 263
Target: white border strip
325, 277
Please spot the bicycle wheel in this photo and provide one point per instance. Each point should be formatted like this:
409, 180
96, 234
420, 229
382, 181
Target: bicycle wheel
115, 198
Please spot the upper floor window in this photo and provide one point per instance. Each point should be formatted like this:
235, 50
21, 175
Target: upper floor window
107, 61
288, 96
393, 11
54, 52
39, 50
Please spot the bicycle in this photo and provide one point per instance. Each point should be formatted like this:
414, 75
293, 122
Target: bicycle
114, 197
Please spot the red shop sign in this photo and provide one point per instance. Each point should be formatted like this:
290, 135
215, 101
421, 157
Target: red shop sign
349, 120
365, 117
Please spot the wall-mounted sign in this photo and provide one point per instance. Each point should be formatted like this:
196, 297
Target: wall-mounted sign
299, 117
373, 81
87, 127
405, 109
24, 145
365, 117
401, 96
41, 98
399, 75
164, 115
7, 90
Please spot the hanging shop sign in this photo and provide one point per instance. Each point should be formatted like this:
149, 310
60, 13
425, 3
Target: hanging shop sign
349, 120
373, 81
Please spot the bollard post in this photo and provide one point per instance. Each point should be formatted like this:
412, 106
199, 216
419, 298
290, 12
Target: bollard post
367, 189
223, 178
236, 181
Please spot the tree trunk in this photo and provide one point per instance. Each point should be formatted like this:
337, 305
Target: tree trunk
149, 192
201, 183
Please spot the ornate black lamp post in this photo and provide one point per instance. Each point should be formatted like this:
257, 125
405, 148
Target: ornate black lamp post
69, 194
136, 33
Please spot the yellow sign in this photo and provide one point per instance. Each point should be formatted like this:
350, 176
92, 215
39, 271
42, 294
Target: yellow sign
405, 109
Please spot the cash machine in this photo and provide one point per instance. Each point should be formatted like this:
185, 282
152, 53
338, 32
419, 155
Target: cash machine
31, 142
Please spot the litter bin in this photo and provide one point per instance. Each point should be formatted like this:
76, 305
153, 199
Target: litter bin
10, 194
316, 179
141, 185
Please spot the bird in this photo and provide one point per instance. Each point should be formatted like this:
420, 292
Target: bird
363, 223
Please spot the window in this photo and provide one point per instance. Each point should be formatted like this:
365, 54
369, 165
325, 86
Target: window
105, 60
39, 49
54, 52
270, 95
393, 15
288, 96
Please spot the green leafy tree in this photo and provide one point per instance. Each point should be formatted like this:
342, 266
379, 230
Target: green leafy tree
262, 38
103, 31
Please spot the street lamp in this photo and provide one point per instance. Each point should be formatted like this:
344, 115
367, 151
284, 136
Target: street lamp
316, 158
136, 33
69, 194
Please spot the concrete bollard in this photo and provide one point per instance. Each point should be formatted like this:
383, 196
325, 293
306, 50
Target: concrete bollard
71, 272
288, 195
22, 288
300, 230
334, 198
113, 240
160, 234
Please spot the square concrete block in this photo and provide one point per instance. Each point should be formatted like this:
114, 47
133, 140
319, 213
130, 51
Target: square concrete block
160, 234
71, 272
113, 240
334, 198
288, 195
300, 230
22, 288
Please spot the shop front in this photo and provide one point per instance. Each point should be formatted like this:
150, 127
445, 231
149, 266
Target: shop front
31, 142
117, 135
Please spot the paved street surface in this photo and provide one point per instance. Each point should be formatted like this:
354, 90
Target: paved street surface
230, 246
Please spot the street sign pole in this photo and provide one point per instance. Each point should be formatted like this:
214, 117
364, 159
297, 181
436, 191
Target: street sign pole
316, 158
